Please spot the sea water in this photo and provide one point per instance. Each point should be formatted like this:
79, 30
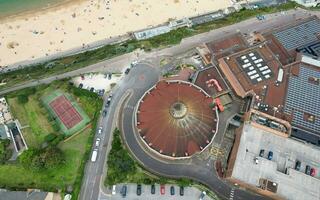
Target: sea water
14, 7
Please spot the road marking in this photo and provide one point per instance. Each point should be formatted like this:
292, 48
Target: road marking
231, 194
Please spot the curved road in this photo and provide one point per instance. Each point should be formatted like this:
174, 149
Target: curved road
201, 171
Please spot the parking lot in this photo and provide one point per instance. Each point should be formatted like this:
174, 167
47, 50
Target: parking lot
190, 193
97, 82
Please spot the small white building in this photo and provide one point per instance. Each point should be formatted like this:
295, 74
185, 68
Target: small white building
308, 3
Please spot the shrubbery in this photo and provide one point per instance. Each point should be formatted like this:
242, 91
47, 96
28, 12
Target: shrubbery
5, 152
120, 164
41, 159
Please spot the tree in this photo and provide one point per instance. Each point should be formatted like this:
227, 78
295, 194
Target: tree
120, 164
23, 98
26, 157
41, 159
5, 152
52, 157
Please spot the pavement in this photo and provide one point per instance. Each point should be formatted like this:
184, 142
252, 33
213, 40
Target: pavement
140, 78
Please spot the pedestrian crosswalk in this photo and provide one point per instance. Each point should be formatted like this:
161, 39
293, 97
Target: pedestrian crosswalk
231, 194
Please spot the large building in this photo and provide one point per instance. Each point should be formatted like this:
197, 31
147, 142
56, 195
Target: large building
280, 74
277, 75
277, 177
176, 119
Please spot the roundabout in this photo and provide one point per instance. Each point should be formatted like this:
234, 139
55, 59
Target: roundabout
175, 119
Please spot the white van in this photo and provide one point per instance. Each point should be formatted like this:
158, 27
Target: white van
94, 155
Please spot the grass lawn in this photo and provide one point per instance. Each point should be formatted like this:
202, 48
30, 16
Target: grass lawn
15, 176
33, 117
76, 149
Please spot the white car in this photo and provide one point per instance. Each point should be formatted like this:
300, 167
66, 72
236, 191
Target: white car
97, 142
100, 130
94, 155
113, 189
203, 194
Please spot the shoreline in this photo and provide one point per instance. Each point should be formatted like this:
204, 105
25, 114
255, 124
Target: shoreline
68, 25
39, 11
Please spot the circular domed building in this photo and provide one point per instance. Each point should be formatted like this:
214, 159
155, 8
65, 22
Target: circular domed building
174, 118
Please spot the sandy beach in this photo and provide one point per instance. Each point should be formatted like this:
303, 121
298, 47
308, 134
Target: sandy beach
40, 34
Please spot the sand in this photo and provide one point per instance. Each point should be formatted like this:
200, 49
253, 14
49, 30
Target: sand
36, 35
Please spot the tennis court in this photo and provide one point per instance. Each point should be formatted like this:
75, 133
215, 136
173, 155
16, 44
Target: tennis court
65, 111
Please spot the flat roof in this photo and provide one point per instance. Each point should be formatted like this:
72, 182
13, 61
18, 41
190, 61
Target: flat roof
303, 99
204, 80
295, 185
297, 35
228, 45
311, 49
251, 68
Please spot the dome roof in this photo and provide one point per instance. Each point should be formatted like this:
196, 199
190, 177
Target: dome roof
175, 119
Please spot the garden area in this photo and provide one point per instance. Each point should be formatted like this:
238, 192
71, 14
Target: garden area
53, 162
122, 168
84, 59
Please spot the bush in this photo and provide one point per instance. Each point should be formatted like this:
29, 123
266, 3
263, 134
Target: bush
120, 164
41, 159
5, 152
50, 137
23, 99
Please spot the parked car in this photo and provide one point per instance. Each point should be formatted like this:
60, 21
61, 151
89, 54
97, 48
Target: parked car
97, 142
202, 195
81, 85
134, 63
101, 92
114, 189
313, 172
100, 130
261, 154
181, 192
109, 76
124, 191
139, 187
270, 155
127, 71
153, 189
104, 113
162, 189
109, 100
308, 170
172, 190
256, 160
94, 155
298, 165
92, 89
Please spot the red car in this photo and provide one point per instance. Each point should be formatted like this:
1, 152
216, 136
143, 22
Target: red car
313, 172
162, 189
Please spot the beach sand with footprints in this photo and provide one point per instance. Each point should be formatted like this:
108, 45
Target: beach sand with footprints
34, 35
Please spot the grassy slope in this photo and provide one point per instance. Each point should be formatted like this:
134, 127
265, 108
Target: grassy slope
33, 116
15, 176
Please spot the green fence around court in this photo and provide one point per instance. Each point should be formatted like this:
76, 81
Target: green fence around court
48, 98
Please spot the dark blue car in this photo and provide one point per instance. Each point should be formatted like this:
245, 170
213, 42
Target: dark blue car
270, 155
